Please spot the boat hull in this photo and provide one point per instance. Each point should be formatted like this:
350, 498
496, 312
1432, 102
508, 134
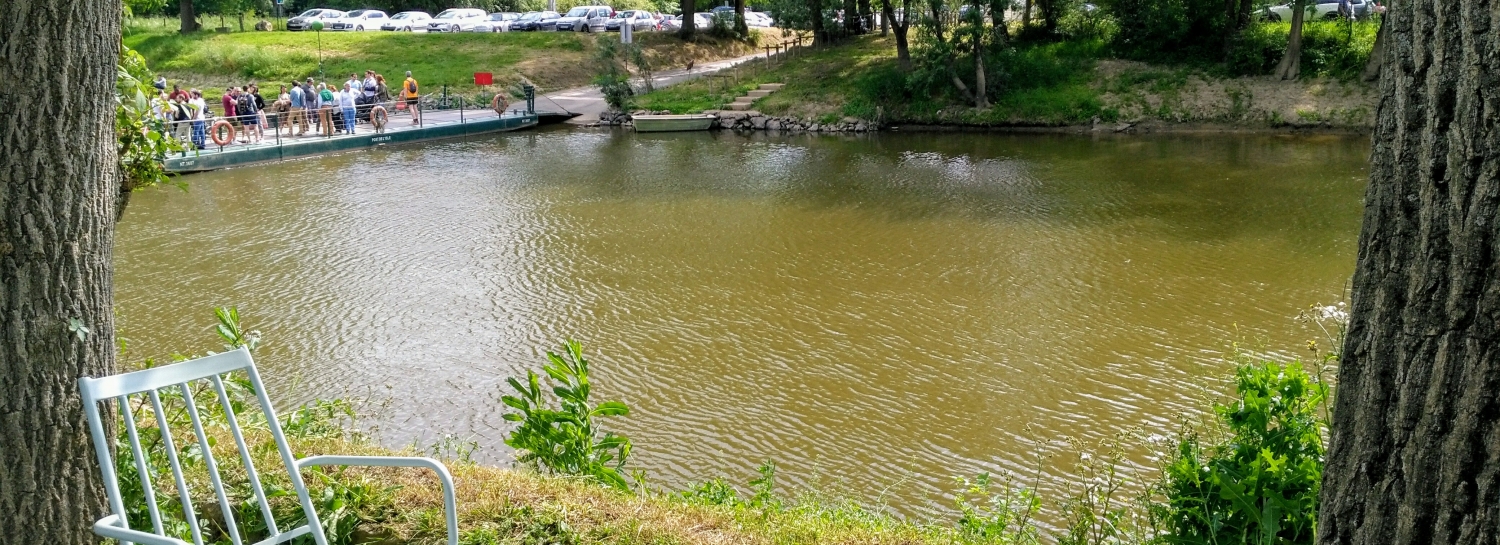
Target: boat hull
672, 123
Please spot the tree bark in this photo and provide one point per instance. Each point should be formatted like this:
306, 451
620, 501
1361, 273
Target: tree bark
1291, 62
740, 26
689, 7
186, 16
1414, 456
1377, 55
903, 48
1025, 17
980, 100
58, 182
820, 33
851, 17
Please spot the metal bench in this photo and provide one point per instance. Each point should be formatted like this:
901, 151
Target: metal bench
149, 382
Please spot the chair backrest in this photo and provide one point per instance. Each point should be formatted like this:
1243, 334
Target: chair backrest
149, 385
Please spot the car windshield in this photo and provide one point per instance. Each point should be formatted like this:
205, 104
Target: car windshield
355, 13
404, 16
331, 14
449, 14
578, 12
310, 13
531, 17
626, 14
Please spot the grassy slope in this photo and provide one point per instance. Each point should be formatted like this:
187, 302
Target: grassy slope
551, 60
1060, 84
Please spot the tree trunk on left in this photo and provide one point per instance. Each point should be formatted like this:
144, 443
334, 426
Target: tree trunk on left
1414, 452
1291, 62
58, 182
888, 16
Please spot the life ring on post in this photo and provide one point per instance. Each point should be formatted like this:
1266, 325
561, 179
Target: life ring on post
499, 104
378, 117
222, 133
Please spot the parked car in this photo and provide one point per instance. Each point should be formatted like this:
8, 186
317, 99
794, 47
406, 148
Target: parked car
700, 22
585, 19
496, 22
638, 19
549, 24
407, 21
757, 19
304, 20
450, 20
1323, 10
531, 21
360, 20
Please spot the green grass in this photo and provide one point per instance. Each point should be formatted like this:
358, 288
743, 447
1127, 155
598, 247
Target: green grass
551, 60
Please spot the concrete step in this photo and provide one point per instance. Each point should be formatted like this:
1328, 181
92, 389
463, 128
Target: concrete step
759, 93
744, 100
771, 86
739, 106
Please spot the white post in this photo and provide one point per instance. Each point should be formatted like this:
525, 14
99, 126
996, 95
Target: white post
627, 27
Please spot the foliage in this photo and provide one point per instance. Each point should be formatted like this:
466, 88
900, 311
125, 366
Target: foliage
1329, 48
563, 437
1168, 30
1095, 509
997, 516
143, 138
1259, 482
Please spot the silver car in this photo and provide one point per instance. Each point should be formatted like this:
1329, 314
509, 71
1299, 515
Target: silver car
407, 21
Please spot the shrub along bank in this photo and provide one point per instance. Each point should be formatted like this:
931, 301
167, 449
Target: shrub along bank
1248, 473
1071, 82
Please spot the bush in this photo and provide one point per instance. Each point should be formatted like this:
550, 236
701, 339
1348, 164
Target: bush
564, 438
1329, 48
1167, 30
1258, 482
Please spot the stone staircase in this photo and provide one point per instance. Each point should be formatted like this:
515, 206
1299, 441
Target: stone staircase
743, 103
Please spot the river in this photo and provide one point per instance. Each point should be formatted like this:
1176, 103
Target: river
878, 314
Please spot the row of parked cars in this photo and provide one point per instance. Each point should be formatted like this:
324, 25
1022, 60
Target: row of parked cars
578, 19
1328, 10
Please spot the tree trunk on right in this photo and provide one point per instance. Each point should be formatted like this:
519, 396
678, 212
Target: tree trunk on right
1414, 456
1291, 62
59, 178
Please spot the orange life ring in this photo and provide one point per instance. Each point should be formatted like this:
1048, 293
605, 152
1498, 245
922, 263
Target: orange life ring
499, 104
222, 127
378, 117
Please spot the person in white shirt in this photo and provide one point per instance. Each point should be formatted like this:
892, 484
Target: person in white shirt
200, 117
346, 103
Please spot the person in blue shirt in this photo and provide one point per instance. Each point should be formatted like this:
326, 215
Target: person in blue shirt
299, 110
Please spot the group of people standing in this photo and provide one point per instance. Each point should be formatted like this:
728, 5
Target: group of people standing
300, 106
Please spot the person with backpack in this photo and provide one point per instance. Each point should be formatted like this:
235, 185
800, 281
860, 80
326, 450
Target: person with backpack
228, 102
244, 105
181, 119
409, 91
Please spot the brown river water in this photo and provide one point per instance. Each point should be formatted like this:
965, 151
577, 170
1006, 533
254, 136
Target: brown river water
877, 314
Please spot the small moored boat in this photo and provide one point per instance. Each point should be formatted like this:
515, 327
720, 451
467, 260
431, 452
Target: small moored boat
668, 123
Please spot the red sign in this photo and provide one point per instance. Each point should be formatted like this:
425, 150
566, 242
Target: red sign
483, 78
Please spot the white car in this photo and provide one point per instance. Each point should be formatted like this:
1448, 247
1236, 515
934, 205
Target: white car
452, 20
305, 20
496, 22
1320, 10
407, 21
585, 19
359, 20
638, 19
759, 19
701, 22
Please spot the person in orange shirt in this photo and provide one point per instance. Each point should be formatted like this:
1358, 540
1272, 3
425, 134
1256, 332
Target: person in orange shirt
410, 94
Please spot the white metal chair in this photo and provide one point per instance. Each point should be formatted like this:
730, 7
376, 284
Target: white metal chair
149, 382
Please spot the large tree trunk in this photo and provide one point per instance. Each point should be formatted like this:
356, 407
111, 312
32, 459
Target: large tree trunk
58, 182
740, 26
980, 100
903, 48
689, 7
820, 33
851, 17
1377, 55
1291, 62
186, 16
1025, 17
1414, 456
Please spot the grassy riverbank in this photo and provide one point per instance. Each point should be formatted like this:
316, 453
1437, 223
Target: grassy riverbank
551, 60
1066, 83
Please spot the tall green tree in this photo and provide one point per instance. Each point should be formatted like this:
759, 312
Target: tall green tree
59, 181
1414, 456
